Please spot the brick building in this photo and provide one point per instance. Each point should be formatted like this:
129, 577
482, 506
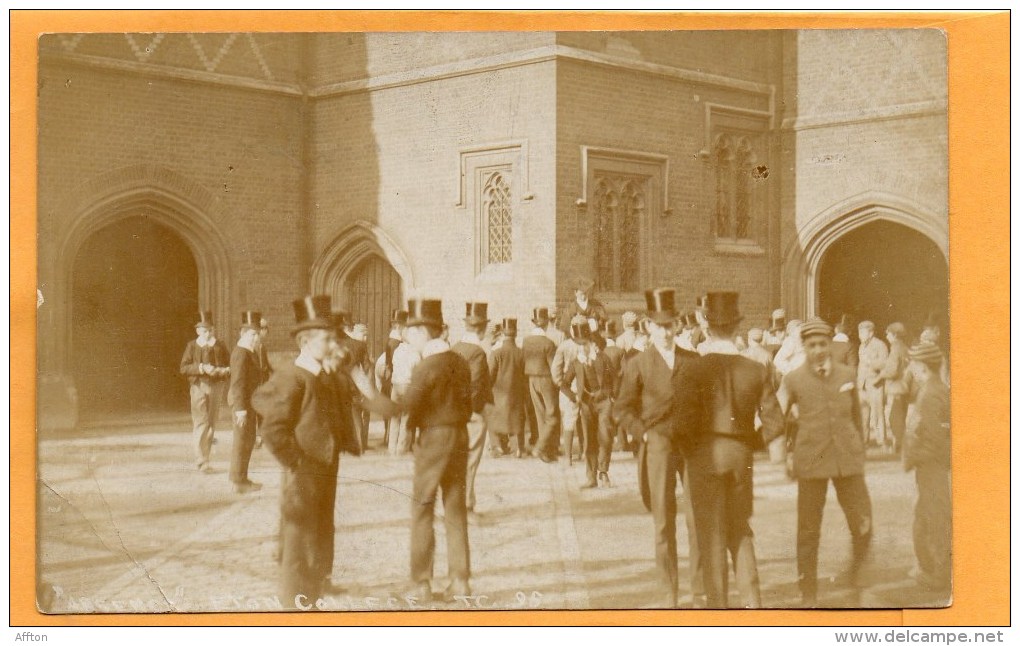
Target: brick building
180, 172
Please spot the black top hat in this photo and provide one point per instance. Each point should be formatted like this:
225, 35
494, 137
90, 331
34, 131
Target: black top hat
510, 327
312, 313
661, 308
204, 319
399, 316
251, 319
609, 328
476, 313
579, 330
540, 316
721, 308
425, 312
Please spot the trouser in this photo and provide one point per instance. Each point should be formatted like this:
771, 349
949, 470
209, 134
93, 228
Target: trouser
506, 422
933, 527
598, 436
244, 442
205, 408
873, 413
544, 399
568, 424
662, 462
398, 441
720, 474
896, 416
476, 428
440, 462
306, 533
852, 494
532, 419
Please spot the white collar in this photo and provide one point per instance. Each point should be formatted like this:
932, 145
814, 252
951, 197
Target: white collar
718, 346
208, 344
308, 363
584, 305
434, 346
250, 346
472, 338
395, 335
684, 343
538, 332
840, 337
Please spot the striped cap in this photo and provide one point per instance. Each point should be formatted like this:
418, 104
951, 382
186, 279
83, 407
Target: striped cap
925, 352
815, 327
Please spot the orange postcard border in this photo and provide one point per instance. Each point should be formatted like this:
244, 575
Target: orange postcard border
979, 125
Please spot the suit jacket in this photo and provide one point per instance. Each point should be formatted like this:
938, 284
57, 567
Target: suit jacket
829, 442
245, 378
509, 385
595, 310
481, 385
646, 395
595, 381
217, 355
614, 355
871, 359
717, 396
538, 352
440, 392
305, 418
927, 438
893, 369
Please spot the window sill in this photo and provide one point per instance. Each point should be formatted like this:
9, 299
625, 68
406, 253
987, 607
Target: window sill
738, 248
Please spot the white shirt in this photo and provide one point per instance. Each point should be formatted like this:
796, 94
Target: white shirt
308, 363
790, 356
472, 338
667, 355
718, 346
249, 345
210, 342
435, 346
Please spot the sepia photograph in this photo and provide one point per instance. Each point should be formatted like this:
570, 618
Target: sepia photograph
507, 320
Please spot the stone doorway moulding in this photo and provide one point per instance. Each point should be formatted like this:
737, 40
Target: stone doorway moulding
336, 264
170, 199
802, 259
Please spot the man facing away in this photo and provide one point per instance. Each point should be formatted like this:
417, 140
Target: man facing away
246, 375
206, 363
470, 348
384, 365
828, 445
715, 399
509, 391
539, 352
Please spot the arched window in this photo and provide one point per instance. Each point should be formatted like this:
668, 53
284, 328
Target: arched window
497, 218
618, 209
732, 158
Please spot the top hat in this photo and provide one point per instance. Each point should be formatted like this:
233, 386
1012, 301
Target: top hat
312, 313
579, 329
540, 316
778, 320
476, 313
584, 285
399, 316
204, 319
609, 328
925, 352
251, 320
510, 327
661, 308
721, 308
815, 327
425, 312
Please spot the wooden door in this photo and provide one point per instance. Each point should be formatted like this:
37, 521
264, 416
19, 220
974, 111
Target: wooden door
372, 293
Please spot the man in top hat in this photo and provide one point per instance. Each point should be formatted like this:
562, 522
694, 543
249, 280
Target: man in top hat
776, 332
643, 408
509, 392
246, 376
895, 379
871, 356
566, 354
476, 320
591, 374
828, 445
404, 359
687, 326
206, 363
441, 402
585, 306
715, 400
306, 416
926, 450
384, 364
539, 351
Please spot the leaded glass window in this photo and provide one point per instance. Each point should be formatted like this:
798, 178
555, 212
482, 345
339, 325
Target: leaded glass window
618, 208
497, 218
732, 158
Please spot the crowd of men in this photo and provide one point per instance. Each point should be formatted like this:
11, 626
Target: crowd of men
681, 390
